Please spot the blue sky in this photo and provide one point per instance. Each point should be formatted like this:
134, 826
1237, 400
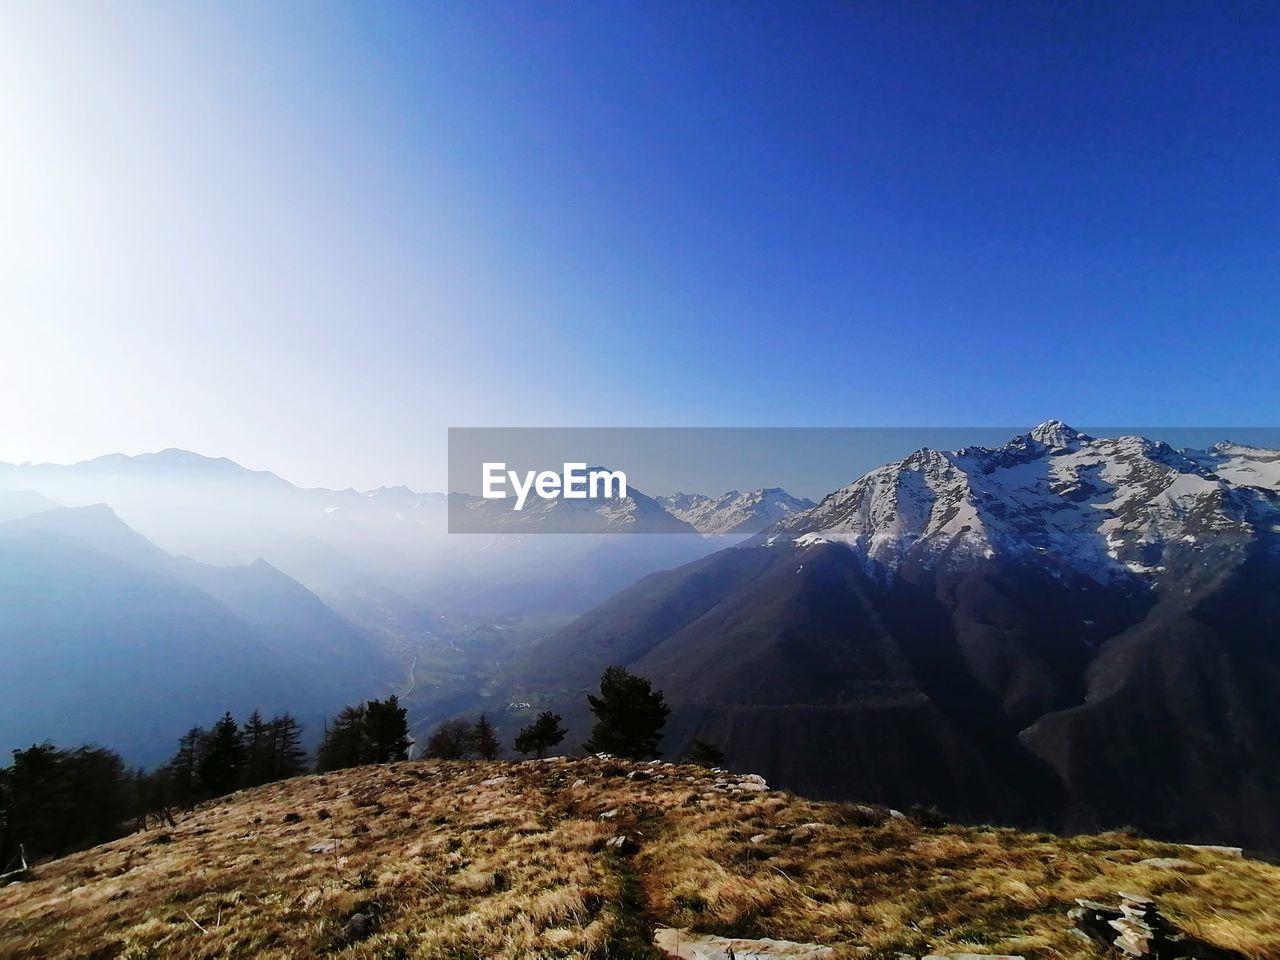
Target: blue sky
311, 237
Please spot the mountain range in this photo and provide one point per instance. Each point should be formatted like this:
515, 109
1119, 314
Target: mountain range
1062, 631
300, 599
734, 512
1059, 631
384, 557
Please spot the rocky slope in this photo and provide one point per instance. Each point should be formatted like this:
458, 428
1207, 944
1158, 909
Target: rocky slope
595, 858
1064, 631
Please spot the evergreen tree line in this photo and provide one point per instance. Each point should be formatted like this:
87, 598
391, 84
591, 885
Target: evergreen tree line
376, 731
230, 756
629, 719
55, 800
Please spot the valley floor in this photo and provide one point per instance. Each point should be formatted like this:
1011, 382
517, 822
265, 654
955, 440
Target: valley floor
480, 860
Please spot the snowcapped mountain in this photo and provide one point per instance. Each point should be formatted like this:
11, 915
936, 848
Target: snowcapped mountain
1062, 630
1104, 507
734, 512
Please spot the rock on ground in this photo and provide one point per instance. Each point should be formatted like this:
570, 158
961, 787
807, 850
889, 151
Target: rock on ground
685, 945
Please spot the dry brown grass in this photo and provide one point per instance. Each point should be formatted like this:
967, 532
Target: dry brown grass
451, 867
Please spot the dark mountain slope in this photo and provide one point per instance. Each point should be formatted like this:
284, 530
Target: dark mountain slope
1178, 728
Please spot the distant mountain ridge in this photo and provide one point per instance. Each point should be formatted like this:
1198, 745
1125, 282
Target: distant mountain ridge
734, 512
381, 557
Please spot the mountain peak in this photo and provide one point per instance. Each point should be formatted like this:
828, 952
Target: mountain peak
1055, 433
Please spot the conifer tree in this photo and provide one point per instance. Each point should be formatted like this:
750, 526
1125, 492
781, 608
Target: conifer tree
344, 741
259, 751
630, 716
484, 741
705, 754
289, 759
540, 736
184, 767
386, 730
223, 757
450, 741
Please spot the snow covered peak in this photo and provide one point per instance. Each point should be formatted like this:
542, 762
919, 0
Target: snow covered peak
1242, 464
1055, 433
734, 512
1105, 507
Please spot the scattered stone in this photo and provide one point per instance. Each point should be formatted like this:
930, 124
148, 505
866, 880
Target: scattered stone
609, 814
358, 927
622, 844
638, 775
807, 831
493, 781
760, 838
1136, 928
682, 944
1172, 863
577, 783
972, 956
327, 845
1237, 852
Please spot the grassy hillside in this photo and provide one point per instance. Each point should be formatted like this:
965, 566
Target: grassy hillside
478, 860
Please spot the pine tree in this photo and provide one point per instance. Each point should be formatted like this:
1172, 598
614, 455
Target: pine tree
259, 751
183, 767
344, 741
484, 742
705, 754
630, 716
222, 763
540, 736
450, 741
387, 730
288, 757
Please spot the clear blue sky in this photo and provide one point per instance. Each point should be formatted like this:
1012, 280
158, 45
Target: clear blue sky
310, 237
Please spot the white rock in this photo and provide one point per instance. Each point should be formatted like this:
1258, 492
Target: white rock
1214, 848
685, 945
1172, 863
327, 845
609, 814
493, 781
